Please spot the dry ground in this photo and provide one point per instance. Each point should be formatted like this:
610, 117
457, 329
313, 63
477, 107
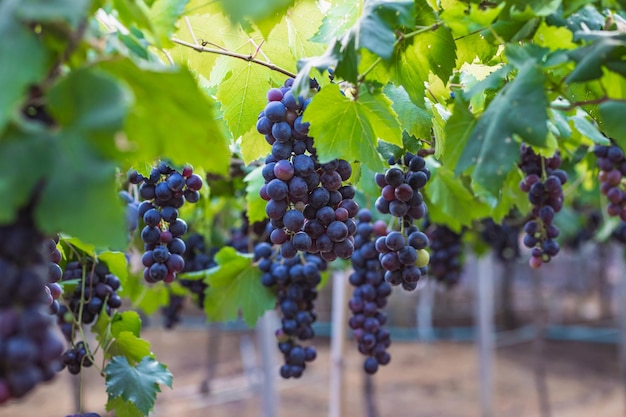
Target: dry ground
423, 380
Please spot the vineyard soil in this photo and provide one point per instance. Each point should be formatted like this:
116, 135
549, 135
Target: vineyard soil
423, 380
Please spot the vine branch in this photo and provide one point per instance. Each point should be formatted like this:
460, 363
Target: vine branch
248, 58
576, 104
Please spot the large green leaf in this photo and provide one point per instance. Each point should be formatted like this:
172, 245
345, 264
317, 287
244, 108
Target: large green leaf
80, 195
123, 408
53, 11
256, 205
136, 384
519, 109
91, 102
451, 203
340, 17
171, 118
235, 286
415, 120
458, 130
120, 335
163, 16
242, 93
350, 129
414, 60
23, 59
258, 11
607, 50
377, 26
25, 159
612, 115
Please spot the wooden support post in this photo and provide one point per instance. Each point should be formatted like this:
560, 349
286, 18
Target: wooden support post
485, 337
337, 344
267, 341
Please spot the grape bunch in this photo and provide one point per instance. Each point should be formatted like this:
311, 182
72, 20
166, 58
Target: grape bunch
55, 273
96, 291
503, 239
446, 250
619, 233
309, 206
544, 185
403, 254
171, 312
401, 188
76, 357
295, 281
164, 192
370, 294
612, 164
30, 344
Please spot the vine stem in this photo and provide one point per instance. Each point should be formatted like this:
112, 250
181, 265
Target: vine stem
401, 38
248, 58
575, 104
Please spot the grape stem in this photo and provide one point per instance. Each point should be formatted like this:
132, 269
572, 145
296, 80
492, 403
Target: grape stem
248, 58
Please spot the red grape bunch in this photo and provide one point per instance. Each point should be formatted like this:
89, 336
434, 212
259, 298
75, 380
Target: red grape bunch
403, 253
309, 206
544, 185
164, 192
612, 164
370, 294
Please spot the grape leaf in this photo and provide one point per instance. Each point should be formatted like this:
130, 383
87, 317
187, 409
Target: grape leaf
350, 129
242, 93
612, 120
518, 109
23, 57
256, 205
414, 59
147, 298
121, 336
254, 146
163, 16
80, 178
339, 18
606, 51
91, 102
375, 29
133, 13
451, 203
171, 117
136, 384
117, 263
123, 408
53, 11
414, 120
25, 160
587, 129
258, 11
234, 286
457, 131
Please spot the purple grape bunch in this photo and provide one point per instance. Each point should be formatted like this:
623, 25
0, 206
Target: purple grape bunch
403, 253
612, 164
370, 294
295, 281
310, 206
446, 251
164, 191
544, 184
30, 343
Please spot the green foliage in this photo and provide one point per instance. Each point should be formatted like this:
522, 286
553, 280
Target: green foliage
137, 385
234, 287
359, 124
